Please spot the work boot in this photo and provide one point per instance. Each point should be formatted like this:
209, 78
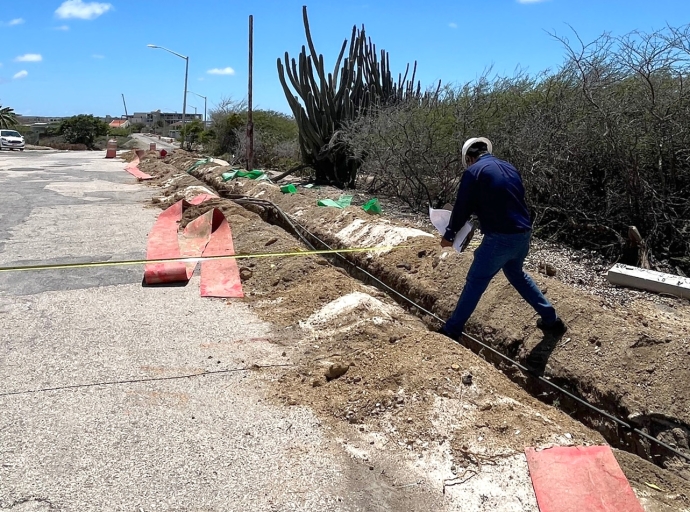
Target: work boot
442, 330
556, 328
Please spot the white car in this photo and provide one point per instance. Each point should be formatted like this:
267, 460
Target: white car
10, 139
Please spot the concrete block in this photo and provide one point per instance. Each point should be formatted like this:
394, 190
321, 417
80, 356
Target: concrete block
650, 280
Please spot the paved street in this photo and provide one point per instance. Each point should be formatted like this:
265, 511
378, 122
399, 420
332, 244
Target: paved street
98, 411
145, 140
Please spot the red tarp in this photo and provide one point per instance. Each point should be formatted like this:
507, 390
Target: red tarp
207, 235
580, 479
133, 167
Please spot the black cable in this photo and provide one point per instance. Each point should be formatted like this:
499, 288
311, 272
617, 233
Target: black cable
294, 225
523, 368
138, 381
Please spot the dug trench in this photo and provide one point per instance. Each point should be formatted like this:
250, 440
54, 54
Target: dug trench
413, 386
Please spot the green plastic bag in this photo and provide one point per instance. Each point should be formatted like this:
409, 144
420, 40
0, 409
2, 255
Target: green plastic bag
198, 164
252, 175
372, 206
328, 202
345, 201
341, 203
288, 189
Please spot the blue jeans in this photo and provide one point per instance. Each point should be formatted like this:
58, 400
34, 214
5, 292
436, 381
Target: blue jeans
498, 252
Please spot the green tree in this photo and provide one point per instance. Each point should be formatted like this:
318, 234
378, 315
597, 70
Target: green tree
83, 129
276, 135
193, 132
276, 126
7, 117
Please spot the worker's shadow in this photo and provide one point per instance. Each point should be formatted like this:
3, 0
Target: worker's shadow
538, 357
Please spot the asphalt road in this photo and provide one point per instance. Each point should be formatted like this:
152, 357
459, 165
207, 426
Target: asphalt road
144, 142
99, 406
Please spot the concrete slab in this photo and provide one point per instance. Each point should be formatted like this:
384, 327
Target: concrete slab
650, 280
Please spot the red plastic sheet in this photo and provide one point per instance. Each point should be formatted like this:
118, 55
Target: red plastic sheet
207, 235
579, 479
220, 278
133, 167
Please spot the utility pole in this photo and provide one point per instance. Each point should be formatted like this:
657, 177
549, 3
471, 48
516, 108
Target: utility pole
184, 103
200, 96
250, 119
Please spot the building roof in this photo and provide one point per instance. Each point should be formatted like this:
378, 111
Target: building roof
118, 123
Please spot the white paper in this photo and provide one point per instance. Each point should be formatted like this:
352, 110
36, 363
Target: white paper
441, 218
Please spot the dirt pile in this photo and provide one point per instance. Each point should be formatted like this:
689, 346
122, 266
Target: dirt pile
406, 389
631, 361
127, 156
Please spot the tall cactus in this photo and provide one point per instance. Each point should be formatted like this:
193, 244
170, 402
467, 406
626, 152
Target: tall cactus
324, 101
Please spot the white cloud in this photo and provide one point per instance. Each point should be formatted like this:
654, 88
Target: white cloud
82, 10
221, 71
62, 27
16, 21
453, 25
21, 74
98, 56
29, 57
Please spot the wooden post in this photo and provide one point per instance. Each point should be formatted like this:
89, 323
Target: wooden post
250, 119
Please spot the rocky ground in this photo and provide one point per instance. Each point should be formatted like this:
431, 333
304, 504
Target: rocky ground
391, 388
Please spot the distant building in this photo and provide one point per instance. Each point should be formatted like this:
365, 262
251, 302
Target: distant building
39, 120
119, 123
161, 119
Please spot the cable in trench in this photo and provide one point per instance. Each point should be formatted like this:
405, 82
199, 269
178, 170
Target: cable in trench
297, 228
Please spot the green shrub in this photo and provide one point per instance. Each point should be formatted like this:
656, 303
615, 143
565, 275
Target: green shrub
118, 132
602, 143
83, 129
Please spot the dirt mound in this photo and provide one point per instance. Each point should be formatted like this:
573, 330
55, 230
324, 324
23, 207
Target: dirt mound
604, 361
127, 156
408, 389
176, 184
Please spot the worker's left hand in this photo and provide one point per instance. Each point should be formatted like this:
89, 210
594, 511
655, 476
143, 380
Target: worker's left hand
446, 243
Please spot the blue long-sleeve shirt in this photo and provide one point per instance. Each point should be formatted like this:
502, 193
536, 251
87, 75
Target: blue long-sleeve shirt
492, 189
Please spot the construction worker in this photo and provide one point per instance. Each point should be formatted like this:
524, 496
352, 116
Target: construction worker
492, 190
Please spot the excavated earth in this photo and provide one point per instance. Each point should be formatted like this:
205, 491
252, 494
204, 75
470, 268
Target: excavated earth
380, 376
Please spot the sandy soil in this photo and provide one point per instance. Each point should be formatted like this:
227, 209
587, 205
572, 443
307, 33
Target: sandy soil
375, 370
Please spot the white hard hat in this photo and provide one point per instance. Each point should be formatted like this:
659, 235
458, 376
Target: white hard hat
469, 142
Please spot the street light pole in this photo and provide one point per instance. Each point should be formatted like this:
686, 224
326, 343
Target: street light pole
200, 96
184, 101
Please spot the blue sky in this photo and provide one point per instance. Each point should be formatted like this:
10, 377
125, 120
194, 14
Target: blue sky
68, 57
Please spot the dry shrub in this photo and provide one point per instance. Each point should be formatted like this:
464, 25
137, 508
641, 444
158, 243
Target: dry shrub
602, 143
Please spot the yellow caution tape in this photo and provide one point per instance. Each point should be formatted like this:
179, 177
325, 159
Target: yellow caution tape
196, 259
